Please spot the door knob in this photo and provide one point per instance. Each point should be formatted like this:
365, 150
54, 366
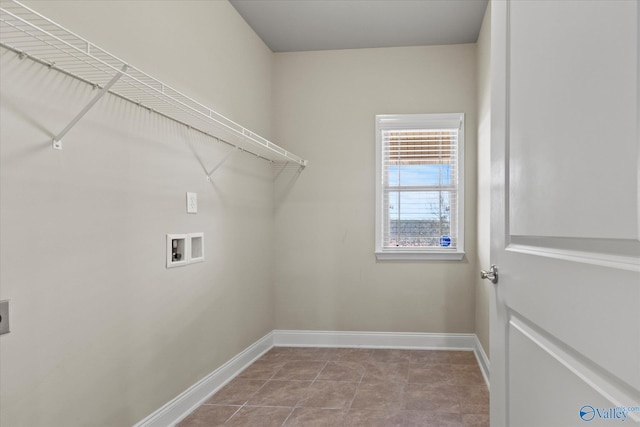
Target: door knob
492, 274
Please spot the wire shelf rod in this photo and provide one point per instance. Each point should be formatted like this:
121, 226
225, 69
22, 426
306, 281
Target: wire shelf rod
67, 52
136, 102
140, 104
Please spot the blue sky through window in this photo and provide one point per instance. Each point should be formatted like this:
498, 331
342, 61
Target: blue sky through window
411, 175
424, 204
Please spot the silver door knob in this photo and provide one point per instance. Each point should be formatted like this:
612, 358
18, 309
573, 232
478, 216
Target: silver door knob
492, 274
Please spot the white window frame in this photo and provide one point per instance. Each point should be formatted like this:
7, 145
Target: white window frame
418, 121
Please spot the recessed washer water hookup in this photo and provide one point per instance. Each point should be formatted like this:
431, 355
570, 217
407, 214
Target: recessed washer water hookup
183, 249
177, 250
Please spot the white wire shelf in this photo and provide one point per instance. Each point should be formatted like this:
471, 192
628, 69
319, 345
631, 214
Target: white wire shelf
32, 35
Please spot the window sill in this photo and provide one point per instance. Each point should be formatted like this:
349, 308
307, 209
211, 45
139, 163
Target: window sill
419, 256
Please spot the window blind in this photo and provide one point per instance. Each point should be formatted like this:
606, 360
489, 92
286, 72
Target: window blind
420, 188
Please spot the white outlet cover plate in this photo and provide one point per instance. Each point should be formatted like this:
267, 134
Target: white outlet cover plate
192, 202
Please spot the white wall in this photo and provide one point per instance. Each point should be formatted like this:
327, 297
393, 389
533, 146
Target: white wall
326, 276
102, 333
483, 290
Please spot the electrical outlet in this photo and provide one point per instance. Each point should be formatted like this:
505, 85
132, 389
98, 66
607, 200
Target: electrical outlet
192, 202
4, 317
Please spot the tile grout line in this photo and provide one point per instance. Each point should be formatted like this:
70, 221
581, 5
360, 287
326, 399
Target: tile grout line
405, 389
306, 392
234, 414
364, 364
245, 404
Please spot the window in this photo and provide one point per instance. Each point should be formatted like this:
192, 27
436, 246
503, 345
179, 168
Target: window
419, 186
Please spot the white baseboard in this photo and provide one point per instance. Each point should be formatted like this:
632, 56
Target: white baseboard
404, 340
181, 406
483, 360
178, 408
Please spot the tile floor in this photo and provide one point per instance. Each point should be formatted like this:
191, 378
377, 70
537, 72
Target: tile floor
351, 387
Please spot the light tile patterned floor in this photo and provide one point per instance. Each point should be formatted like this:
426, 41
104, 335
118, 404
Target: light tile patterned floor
343, 387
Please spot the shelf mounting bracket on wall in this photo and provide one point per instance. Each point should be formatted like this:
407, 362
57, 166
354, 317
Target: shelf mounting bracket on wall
220, 163
57, 141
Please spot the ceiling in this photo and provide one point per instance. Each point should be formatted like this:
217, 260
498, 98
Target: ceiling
300, 25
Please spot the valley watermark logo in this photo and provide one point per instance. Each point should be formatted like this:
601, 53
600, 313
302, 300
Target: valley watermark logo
619, 413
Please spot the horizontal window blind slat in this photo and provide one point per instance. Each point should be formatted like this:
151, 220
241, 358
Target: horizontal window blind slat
431, 153
409, 188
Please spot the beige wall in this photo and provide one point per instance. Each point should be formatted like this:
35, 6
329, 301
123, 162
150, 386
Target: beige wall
326, 276
483, 290
102, 333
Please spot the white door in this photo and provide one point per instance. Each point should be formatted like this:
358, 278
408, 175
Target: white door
565, 315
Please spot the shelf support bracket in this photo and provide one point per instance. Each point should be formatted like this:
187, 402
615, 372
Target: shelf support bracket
210, 173
57, 141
